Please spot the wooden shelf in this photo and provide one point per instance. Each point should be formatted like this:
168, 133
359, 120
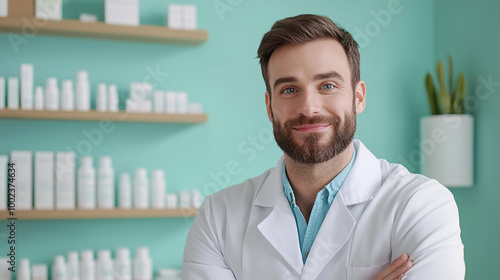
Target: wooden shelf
101, 30
120, 116
99, 214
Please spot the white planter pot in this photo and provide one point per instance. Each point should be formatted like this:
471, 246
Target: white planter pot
447, 149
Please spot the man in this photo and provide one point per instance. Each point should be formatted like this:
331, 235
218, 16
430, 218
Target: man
330, 209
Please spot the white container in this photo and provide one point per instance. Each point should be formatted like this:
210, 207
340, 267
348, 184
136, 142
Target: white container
171, 201
141, 189
82, 92
174, 17
171, 102
125, 192
182, 103
88, 18
189, 17
143, 267
59, 270
196, 199
447, 149
48, 9
102, 98
104, 266
24, 179
140, 91
73, 266
87, 266
159, 104
67, 96
185, 199
4, 11
122, 12
13, 93
5, 273
39, 99
113, 99
105, 184
2, 92
51, 95
3, 184
133, 106
158, 189
44, 180
24, 271
27, 86
65, 181
86, 184
39, 272
123, 264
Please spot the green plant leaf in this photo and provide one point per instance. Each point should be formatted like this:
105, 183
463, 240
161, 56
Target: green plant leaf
431, 93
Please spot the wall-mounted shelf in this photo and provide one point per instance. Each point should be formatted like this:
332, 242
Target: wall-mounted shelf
101, 30
120, 116
99, 214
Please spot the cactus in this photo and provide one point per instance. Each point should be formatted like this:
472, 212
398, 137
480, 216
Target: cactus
446, 101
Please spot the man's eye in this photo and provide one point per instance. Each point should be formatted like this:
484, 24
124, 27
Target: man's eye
328, 86
288, 90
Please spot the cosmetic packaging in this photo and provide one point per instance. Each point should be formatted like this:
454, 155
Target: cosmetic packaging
3, 183
105, 184
86, 184
5, 273
123, 264
102, 98
159, 104
24, 271
87, 266
189, 17
140, 91
184, 199
182, 103
104, 265
157, 189
59, 270
39, 272
194, 108
67, 96
113, 99
73, 266
27, 86
171, 102
65, 181
122, 12
82, 92
171, 201
44, 180
4, 8
174, 17
141, 189
196, 199
2, 92
39, 99
24, 180
13, 93
142, 106
49, 9
143, 268
125, 192
51, 95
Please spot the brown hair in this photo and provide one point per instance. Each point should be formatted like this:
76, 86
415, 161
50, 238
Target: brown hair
302, 29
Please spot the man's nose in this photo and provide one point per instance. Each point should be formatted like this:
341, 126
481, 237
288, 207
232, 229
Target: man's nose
310, 103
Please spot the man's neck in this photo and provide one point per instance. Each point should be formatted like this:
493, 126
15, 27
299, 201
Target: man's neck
308, 179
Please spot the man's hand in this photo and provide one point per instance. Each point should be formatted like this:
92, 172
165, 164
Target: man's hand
396, 270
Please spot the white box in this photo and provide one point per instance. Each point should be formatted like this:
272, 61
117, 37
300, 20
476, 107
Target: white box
2, 92
122, 12
185, 199
144, 106
171, 201
4, 11
65, 181
174, 17
3, 184
48, 9
13, 93
27, 86
158, 102
44, 180
140, 91
171, 102
182, 103
189, 17
23, 179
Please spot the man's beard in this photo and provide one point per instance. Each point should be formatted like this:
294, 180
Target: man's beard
312, 151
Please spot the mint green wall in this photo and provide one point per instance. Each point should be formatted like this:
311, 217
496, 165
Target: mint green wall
467, 30
224, 76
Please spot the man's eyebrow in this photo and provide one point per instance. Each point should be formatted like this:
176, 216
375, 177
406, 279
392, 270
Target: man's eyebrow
284, 80
328, 75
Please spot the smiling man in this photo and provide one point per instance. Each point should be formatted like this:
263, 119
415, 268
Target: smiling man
330, 209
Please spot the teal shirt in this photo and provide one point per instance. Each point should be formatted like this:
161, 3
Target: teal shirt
324, 198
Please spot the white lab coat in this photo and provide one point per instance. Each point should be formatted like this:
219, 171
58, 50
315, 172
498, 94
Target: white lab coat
248, 231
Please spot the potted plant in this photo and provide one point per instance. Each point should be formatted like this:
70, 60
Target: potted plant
446, 137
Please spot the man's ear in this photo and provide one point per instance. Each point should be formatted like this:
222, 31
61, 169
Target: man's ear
268, 106
360, 95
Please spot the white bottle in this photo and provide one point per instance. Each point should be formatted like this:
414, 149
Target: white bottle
170, 102
27, 86
59, 269
141, 189
158, 189
104, 265
39, 272
5, 273
82, 92
67, 96
73, 266
113, 100
123, 264
51, 95
39, 100
125, 192
102, 98
87, 266
143, 268
159, 104
2, 95
13, 93
86, 184
24, 272
182, 103
105, 184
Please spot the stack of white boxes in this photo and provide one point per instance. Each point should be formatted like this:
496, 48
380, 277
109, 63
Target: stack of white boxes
48, 9
122, 12
140, 98
182, 17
